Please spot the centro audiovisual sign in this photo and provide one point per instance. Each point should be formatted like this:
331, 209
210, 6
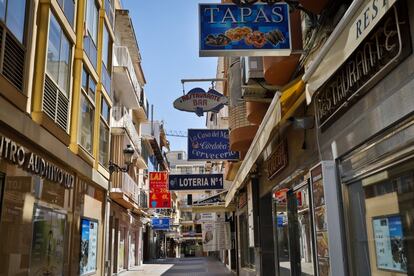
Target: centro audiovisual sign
255, 30
210, 144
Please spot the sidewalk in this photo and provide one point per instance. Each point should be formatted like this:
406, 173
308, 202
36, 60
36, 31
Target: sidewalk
199, 266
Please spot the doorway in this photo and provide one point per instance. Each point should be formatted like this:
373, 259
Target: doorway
293, 234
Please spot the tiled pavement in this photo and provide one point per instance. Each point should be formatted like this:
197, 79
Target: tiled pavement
198, 266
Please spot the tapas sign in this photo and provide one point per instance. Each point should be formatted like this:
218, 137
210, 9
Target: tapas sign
197, 100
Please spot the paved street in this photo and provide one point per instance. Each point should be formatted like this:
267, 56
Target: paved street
183, 267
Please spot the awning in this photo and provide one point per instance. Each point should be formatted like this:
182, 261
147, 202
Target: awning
283, 105
214, 208
356, 24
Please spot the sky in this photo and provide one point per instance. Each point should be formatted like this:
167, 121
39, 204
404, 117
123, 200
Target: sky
167, 34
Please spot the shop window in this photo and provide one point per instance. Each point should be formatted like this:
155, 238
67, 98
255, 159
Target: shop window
91, 37
246, 252
68, 8
87, 111
57, 78
380, 216
89, 246
104, 134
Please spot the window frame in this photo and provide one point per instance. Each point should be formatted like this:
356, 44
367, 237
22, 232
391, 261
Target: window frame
67, 93
88, 33
92, 102
106, 124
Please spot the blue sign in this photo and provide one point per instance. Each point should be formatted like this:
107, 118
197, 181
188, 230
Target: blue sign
195, 182
256, 30
210, 144
160, 223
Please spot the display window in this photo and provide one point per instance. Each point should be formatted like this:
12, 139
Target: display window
381, 222
89, 246
293, 234
34, 215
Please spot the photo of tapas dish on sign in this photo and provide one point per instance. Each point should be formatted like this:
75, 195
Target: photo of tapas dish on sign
257, 39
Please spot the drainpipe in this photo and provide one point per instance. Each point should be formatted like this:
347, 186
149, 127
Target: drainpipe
356, 4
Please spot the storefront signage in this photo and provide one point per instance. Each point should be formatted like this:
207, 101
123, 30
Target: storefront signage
210, 144
196, 182
216, 236
159, 194
277, 161
33, 163
160, 223
89, 246
208, 217
256, 30
199, 101
389, 244
388, 44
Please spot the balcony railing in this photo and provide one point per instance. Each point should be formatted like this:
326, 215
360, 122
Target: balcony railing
122, 119
123, 59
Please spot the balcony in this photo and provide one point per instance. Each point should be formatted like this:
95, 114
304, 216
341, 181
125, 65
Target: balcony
122, 119
126, 192
125, 79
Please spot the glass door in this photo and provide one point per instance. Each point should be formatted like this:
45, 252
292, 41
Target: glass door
293, 231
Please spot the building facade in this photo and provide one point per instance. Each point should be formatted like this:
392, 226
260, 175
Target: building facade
55, 105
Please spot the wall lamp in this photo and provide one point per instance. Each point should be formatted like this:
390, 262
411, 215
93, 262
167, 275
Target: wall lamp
128, 153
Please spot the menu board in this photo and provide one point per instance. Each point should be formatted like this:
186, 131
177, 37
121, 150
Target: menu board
320, 222
389, 243
48, 246
89, 246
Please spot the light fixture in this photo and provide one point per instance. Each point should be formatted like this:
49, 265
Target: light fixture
128, 153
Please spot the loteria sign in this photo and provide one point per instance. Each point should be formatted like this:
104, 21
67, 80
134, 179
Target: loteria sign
199, 101
234, 30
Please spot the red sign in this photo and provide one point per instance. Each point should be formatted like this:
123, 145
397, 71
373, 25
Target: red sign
160, 196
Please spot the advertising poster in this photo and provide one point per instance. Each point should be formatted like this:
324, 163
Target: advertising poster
196, 182
216, 236
89, 246
210, 144
159, 194
228, 29
389, 244
48, 246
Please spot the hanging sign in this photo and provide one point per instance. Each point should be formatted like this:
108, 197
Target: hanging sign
160, 197
160, 223
210, 144
256, 30
199, 101
196, 182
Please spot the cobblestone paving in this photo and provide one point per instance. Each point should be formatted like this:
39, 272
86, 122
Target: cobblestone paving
199, 266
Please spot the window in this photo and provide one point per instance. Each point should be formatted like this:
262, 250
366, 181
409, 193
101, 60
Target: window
57, 80
106, 60
109, 9
13, 13
180, 156
91, 39
58, 56
87, 110
68, 7
104, 134
92, 20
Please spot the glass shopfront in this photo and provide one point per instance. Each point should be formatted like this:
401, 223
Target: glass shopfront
381, 222
35, 217
293, 233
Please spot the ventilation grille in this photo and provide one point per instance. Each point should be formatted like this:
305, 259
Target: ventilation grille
55, 104
13, 64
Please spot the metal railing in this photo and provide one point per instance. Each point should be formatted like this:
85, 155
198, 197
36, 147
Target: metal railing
123, 59
122, 119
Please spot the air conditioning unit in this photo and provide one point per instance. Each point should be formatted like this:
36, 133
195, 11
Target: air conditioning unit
254, 87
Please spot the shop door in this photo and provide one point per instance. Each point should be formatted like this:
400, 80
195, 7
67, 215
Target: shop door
293, 235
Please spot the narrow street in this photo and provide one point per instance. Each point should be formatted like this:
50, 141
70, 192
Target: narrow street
198, 266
